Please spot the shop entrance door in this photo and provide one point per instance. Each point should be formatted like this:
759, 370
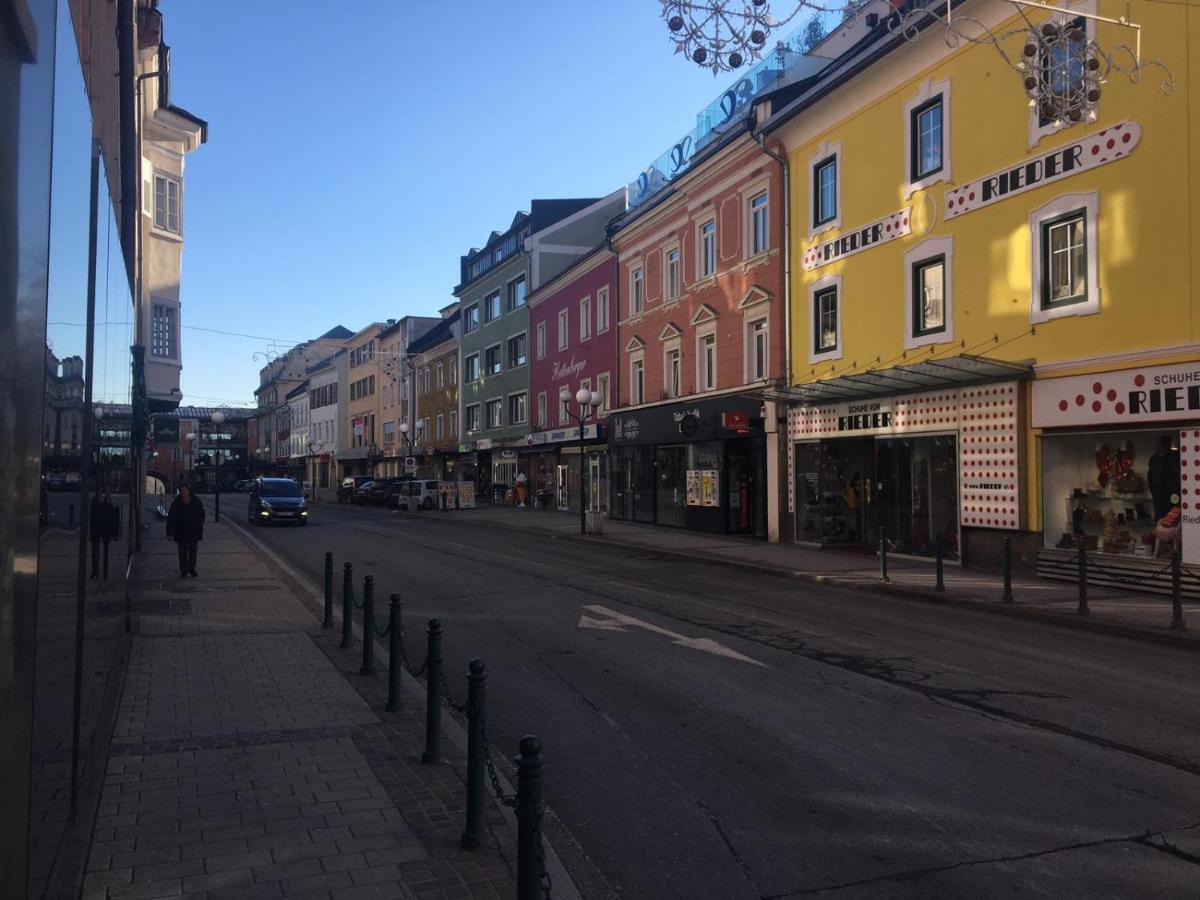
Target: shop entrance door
595, 494
561, 500
739, 485
670, 471
841, 510
917, 482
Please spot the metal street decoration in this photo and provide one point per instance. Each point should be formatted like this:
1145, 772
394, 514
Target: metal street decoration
721, 34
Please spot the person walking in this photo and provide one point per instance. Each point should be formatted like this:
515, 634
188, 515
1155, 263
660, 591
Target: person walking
104, 524
185, 526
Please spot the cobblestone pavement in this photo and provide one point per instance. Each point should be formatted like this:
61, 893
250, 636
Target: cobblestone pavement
249, 759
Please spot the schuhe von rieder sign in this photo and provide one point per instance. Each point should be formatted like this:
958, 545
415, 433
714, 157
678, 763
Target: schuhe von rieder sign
898, 224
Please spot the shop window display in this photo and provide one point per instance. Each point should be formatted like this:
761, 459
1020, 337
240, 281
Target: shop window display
1113, 493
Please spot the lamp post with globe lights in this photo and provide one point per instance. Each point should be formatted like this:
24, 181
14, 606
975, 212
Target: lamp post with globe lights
190, 437
589, 401
218, 419
410, 442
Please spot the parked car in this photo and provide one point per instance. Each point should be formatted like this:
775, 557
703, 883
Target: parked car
362, 493
397, 488
244, 485
349, 485
277, 500
418, 493
383, 489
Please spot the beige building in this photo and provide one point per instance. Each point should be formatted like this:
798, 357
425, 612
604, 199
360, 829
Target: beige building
359, 452
395, 392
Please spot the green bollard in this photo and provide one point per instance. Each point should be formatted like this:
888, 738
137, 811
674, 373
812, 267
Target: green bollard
940, 585
472, 835
328, 623
883, 575
433, 700
347, 606
1177, 622
529, 817
368, 609
1007, 596
395, 655
1083, 601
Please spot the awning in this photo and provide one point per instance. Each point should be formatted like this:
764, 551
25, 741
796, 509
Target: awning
915, 377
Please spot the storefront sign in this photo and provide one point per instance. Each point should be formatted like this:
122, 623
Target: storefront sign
1129, 397
671, 423
166, 430
590, 433
568, 370
889, 228
1094, 150
872, 416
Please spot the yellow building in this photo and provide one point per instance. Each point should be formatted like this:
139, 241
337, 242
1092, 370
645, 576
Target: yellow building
359, 451
993, 299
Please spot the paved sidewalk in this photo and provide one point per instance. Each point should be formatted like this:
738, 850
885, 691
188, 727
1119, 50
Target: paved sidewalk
249, 759
1140, 615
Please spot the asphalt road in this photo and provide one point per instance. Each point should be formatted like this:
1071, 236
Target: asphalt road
713, 734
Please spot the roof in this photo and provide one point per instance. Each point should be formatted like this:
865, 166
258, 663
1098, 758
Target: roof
298, 390
337, 332
321, 364
438, 334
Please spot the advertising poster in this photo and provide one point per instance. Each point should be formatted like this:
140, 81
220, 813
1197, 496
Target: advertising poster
694, 490
466, 495
710, 485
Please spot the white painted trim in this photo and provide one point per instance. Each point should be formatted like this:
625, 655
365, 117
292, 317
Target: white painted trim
1133, 358
753, 297
670, 330
605, 379
639, 269
585, 318
508, 406
635, 344
723, 392
578, 249
637, 358
673, 244
825, 281
564, 329
673, 345
940, 246
760, 186
541, 339
710, 330
749, 319
703, 313
488, 402
825, 150
710, 215
925, 92
603, 323
516, 334
483, 358
1065, 203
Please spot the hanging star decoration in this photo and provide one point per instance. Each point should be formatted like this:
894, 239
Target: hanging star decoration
722, 35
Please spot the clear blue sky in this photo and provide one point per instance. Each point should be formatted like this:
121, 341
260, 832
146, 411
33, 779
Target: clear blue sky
357, 149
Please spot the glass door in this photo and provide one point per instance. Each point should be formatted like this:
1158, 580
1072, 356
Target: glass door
806, 466
671, 485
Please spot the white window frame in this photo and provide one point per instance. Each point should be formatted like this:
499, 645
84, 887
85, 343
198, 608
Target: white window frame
454, 369
927, 91
585, 318
672, 346
701, 253
524, 407
637, 364
564, 329
1059, 206
468, 328
703, 335
478, 367
813, 289
824, 151
541, 340
487, 407
603, 386
167, 178
749, 194
441, 376
541, 410
754, 317
602, 310
508, 290
927, 249
672, 292
478, 417
499, 348
637, 290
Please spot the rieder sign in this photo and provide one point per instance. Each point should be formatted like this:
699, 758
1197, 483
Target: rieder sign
1153, 394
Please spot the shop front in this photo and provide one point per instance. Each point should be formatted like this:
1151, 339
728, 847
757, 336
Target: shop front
1119, 452
914, 469
697, 464
551, 466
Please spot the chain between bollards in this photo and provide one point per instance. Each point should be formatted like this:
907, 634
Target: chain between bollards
1007, 596
883, 573
368, 643
533, 882
1083, 597
472, 835
328, 623
395, 654
940, 584
1177, 622
433, 701
347, 606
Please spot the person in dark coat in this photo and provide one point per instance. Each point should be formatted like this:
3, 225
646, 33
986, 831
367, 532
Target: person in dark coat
104, 523
185, 526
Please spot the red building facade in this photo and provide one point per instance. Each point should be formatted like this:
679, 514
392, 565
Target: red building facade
702, 327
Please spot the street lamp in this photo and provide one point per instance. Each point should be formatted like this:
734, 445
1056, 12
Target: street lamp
410, 442
218, 419
190, 437
588, 401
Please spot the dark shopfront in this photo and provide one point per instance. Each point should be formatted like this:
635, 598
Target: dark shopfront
697, 464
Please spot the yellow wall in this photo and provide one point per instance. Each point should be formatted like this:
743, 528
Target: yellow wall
1149, 249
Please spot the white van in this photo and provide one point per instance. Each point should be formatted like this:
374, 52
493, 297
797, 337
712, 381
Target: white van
419, 493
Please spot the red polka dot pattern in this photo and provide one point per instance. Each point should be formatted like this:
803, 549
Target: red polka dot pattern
890, 227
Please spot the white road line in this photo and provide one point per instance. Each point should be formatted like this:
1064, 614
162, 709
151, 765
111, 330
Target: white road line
616, 621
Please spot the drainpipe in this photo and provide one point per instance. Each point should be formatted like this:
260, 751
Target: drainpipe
774, 522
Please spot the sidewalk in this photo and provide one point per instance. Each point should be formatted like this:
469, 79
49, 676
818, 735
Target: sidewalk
249, 758
1128, 613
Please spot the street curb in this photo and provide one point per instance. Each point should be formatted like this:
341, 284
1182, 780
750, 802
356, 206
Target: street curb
452, 730
1181, 641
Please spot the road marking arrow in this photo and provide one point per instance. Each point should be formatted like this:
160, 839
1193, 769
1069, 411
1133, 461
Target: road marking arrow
615, 621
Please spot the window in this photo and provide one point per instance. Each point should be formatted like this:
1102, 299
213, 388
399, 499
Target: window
707, 361
517, 351
672, 273
471, 373
516, 293
637, 297
491, 307
163, 342
389, 433
454, 369
541, 340
929, 296
491, 360
925, 132
671, 381
564, 323
708, 248
470, 318
826, 311
760, 239
471, 418
602, 310
602, 387
585, 318
454, 422
441, 377
441, 426
495, 411
825, 191
637, 381
564, 406
166, 203
758, 353
541, 409
517, 409
1064, 260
